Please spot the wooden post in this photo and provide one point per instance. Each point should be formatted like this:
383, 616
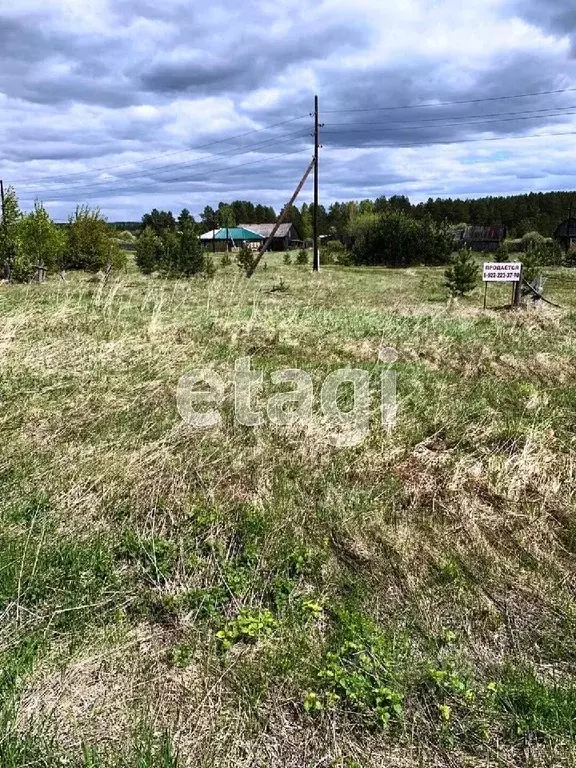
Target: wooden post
316, 254
518, 290
279, 220
485, 293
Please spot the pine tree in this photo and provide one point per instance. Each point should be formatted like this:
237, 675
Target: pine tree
462, 274
148, 251
191, 259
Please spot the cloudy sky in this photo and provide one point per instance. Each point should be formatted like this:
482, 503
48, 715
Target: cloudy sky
134, 104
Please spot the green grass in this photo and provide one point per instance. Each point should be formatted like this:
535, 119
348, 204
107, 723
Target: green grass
241, 597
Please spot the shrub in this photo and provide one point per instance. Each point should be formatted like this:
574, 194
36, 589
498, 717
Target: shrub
225, 261
395, 239
90, 243
544, 254
531, 240
302, 257
10, 243
462, 274
287, 259
42, 242
336, 252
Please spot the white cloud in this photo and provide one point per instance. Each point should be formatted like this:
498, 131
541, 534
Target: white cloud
92, 85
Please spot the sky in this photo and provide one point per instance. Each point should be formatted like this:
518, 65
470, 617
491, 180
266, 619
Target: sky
134, 104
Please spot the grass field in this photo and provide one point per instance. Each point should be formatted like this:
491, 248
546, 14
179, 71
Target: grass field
256, 597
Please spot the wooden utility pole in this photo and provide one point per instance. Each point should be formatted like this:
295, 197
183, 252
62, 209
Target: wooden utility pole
316, 255
2, 195
279, 220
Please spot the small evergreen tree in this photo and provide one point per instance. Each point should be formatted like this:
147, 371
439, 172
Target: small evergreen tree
302, 257
148, 251
191, 258
287, 259
462, 274
225, 261
209, 267
245, 258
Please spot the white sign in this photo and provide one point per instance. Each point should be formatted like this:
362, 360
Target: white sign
502, 273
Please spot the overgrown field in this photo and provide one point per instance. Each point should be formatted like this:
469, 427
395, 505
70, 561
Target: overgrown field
256, 597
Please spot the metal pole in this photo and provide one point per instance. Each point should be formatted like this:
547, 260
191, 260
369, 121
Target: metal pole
213, 235
316, 257
485, 293
2, 195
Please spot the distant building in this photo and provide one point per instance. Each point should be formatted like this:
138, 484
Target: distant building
285, 239
230, 238
565, 234
482, 239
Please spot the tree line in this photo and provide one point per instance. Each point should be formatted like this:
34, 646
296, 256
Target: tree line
533, 212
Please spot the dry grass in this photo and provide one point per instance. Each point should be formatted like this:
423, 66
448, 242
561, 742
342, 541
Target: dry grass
132, 540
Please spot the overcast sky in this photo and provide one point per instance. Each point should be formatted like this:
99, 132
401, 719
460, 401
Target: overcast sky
120, 103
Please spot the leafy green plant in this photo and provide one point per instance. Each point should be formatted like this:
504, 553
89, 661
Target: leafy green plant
225, 260
357, 675
462, 274
248, 627
287, 259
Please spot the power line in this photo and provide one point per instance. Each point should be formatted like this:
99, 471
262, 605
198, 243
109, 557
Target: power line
408, 127
204, 175
558, 110
173, 167
452, 103
463, 141
166, 154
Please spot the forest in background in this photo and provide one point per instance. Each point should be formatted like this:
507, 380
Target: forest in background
536, 211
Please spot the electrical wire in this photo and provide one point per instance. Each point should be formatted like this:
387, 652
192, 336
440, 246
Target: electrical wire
559, 110
174, 166
53, 198
464, 123
433, 142
167, 154
451, 103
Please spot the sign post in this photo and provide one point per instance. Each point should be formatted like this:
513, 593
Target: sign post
503, 272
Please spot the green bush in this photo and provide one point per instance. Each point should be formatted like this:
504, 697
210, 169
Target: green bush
90, 243
302, 257
336, 252
532, 240
462, 274
394, 239
287, 259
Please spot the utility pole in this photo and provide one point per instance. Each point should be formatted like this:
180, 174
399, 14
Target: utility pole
2, 195
316, 256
